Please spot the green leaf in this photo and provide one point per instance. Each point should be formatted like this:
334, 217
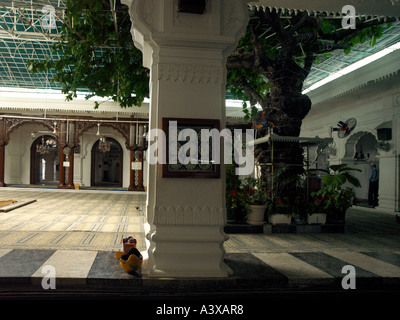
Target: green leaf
327, 27
337, 167
97, 6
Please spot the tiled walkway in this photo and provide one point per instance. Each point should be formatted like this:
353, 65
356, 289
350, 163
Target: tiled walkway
72, 219
94, 273
78, 232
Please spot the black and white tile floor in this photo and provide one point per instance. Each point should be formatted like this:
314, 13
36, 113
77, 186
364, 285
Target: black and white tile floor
260, 263
99, 270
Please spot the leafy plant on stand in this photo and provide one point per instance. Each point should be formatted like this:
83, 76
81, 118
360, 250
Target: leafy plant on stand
335, 198
250, 196
255, 191
286, 196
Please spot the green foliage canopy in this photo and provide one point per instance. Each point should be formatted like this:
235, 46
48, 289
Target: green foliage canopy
97, 54
274, 38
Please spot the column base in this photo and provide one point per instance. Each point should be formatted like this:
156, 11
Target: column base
65, 187
188, 252
177, 272
135, 188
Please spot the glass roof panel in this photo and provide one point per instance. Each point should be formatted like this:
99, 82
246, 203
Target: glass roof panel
24, 36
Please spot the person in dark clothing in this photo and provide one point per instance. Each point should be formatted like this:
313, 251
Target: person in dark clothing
373, 186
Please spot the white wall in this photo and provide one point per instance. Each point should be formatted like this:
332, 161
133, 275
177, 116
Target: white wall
371, 95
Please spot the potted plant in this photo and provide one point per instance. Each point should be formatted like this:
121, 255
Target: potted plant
334, 198
301, 208
317, 212
279, 210
234, 204
285, 200
254, 197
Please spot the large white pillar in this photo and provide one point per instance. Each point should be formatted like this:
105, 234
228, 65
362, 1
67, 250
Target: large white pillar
387, 182
186, 54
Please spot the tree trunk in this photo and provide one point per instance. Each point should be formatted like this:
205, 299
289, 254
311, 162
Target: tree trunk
286, 109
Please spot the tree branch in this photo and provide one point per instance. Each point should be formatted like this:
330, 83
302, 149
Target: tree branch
346, 34
335, 46
299, 24
249, 90
273, 19
241, 59
261, 60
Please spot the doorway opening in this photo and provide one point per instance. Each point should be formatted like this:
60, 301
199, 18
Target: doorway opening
361, 152
45, 161
107, 155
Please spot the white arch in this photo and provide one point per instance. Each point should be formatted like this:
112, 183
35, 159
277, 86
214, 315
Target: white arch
350, 145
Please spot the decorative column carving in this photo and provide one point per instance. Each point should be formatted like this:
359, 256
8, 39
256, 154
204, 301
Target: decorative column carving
186, 54
136, 147
136, 172
70, 169
71, 144
61, 145
61, 177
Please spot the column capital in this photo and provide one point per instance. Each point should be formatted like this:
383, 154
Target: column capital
158, 25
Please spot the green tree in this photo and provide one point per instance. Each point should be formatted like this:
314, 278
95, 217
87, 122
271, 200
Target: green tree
97, 54
273, 60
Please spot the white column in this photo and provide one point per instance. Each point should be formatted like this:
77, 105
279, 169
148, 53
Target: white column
186, 54
387, 183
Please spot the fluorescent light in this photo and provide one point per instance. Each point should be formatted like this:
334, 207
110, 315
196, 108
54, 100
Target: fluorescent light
354, 66
46, 94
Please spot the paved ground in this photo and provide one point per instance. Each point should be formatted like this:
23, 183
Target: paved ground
61, 229
72, 219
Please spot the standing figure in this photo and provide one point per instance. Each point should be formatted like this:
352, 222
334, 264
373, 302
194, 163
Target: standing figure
373, 179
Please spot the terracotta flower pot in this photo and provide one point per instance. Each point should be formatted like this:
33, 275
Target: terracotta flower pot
256, 215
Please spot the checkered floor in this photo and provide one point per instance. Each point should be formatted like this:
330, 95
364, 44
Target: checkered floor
99, 220
63, 228
76, 220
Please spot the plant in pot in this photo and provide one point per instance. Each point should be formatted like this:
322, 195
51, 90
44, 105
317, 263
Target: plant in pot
317, 212
285, 201
334, 197
301, 208
254, 198
236, 211
279, 210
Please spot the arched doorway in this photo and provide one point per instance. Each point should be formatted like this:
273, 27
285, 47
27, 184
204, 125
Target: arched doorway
361, 151
106, 168
45, 161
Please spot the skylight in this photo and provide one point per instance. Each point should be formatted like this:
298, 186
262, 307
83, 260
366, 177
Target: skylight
359, 64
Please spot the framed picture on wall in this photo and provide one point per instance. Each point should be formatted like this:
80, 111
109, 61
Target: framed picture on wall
190, 151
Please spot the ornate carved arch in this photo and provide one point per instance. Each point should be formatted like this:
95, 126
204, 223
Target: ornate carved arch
350, 146
12, 124
83, 126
